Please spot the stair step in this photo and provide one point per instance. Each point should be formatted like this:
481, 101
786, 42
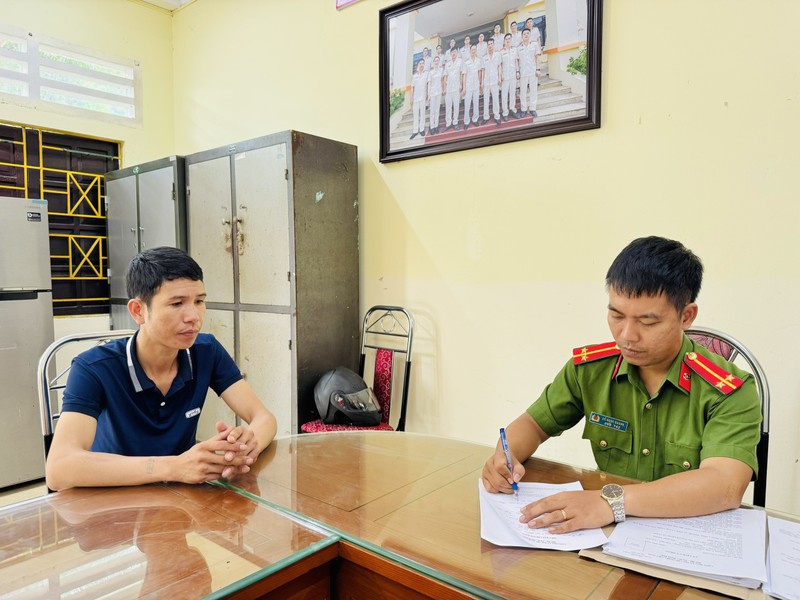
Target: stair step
554, 91
567, 111
560, 100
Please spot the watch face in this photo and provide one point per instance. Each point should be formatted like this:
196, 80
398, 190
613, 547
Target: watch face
612, 491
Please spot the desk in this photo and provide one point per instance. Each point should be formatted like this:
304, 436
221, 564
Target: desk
352, 514
163, 541
414, 498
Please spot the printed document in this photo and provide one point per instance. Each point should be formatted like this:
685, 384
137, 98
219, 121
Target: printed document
783, 559
500, 520
728, 546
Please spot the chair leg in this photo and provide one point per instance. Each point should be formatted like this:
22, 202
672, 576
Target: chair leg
401, 424
760, 486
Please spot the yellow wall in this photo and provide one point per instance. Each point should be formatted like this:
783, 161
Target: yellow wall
124, 28
501, 252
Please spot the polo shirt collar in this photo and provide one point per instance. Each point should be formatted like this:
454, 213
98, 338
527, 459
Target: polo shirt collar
674, 373
137, 374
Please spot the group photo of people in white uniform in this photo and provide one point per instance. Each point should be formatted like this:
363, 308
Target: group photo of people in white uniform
501, 69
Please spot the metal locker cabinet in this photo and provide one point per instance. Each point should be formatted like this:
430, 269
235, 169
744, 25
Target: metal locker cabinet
273, 221
145, 208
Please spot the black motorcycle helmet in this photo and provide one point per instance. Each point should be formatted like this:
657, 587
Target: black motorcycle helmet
343, 397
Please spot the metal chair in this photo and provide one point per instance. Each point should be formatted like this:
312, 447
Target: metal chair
388, 330
46, 385
730, 349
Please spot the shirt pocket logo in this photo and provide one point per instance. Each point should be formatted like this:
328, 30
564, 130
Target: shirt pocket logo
192, 413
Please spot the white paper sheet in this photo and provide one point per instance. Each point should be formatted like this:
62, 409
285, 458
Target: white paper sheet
500, 520
728, 546
783, 559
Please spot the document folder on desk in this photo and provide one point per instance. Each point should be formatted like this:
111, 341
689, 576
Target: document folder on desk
729, 546
724, 552
729, 589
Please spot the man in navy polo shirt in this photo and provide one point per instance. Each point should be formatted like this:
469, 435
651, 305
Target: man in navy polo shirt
131, 407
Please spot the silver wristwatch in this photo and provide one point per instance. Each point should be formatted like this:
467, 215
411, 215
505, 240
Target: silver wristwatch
615, 496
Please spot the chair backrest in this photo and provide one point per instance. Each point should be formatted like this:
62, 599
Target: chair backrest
389, 331
732, 349
46, 386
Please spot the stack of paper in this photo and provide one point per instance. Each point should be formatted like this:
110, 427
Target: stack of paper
728, 546
500, 520
783, 560
727, 551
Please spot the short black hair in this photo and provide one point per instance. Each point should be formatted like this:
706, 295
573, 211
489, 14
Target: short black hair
149, 269
654, 265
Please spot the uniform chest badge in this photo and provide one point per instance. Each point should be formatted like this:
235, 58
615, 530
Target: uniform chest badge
608, 422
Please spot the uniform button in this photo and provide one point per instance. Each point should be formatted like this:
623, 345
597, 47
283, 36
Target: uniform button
603, 443
649, 405
646, 452
163, 404
687, 464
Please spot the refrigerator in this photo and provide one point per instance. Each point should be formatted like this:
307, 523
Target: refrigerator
26, 330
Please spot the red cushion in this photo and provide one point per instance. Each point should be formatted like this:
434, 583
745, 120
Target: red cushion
319, 427
382, 386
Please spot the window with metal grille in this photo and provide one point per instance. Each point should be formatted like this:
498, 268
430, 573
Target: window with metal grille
51, 74
69, 172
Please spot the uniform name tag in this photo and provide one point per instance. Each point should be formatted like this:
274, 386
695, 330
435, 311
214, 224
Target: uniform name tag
610, 422
192, 413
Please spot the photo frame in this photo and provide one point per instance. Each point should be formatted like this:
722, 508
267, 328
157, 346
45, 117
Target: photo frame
420, 41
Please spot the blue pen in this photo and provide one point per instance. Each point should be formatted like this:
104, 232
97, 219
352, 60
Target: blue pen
514, 485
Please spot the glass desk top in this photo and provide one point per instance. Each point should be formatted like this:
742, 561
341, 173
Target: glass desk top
409, 498
413, 498
146, 542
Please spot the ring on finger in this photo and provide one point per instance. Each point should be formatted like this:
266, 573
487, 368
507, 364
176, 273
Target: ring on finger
563, 514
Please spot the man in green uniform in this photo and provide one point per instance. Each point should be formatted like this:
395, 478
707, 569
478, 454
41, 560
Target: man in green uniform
658, 407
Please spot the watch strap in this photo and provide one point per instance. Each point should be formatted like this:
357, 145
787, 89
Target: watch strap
618, 506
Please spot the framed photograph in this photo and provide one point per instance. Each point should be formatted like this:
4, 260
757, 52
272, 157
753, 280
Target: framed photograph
340, 4
460, 74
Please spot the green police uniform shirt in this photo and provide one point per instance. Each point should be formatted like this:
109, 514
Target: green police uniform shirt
644, 438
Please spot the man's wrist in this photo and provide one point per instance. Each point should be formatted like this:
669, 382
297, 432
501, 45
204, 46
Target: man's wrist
158, 468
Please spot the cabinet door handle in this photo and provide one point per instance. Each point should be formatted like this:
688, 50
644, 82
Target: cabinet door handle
227, 234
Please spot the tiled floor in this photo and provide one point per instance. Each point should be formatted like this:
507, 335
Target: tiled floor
21, 493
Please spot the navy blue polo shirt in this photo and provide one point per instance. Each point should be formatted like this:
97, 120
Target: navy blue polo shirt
133, 417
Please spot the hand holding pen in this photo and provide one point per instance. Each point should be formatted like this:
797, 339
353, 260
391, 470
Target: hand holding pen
514, 485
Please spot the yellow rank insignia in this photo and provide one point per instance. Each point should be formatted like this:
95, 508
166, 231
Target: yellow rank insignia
586, 354
721, 379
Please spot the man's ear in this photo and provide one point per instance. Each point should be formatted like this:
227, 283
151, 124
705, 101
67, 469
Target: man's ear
688, 315
137, 309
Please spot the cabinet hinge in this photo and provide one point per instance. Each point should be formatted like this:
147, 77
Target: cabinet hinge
290, 344
286, 174
288, 275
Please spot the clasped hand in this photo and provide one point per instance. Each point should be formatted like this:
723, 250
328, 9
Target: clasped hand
230, 452
560, 513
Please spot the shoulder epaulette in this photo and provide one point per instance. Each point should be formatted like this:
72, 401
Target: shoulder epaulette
586, 354
721, 379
